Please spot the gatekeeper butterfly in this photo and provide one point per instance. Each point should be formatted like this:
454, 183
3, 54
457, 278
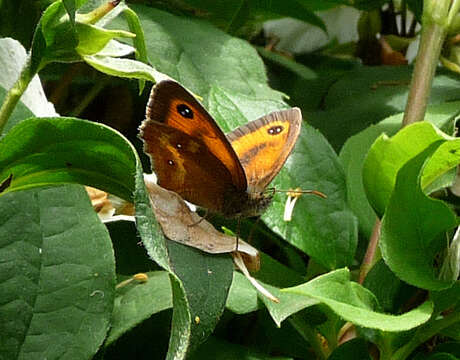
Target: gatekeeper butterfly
194, 158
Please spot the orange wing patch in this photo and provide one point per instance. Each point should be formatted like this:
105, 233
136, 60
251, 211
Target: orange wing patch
264, 145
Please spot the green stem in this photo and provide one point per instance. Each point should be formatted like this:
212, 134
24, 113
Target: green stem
434, 30
426, 332
310, 335
15, 93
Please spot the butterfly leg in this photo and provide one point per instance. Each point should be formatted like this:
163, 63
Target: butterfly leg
205, 216
238, 226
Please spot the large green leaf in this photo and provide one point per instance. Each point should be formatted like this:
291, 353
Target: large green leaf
225, 71
358, 305
388, 155
41, 151
206, 281
57, 275
356, 147
414, 226
325, 229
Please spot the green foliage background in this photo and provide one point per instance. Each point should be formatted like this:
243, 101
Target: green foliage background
59, 263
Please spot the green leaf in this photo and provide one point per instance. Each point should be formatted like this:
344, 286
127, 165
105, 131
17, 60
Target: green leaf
414, 226
354, 152
135, 27
149, 229
388, 155
92, 39
242, 297
155, 244
126, 68
55, 37
296, 68
139, 41
57, 275
41, 151
59, 38
386, 287
289, 304
233, 15
368, 95
301, 10
358, 305
206, 280
210, 63
447, 298
137, 302
325, 229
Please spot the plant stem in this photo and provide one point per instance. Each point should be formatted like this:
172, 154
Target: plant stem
310, 335
15, 93
369, 257
424, 333
434, 30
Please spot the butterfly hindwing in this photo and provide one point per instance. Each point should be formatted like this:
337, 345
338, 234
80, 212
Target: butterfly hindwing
264, 145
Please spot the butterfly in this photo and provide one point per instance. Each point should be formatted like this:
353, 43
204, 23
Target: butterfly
226, 174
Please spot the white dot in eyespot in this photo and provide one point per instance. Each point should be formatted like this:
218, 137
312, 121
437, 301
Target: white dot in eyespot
275, 130
179, 146
170, 162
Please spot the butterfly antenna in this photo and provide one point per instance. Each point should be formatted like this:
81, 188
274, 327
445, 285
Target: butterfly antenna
298, 192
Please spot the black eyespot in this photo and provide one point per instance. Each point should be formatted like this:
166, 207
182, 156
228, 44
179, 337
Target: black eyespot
170, 162
185, 111
179, 146
275, 130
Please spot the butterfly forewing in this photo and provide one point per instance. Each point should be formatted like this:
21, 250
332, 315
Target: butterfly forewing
184, 165
174, 106
263, 145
